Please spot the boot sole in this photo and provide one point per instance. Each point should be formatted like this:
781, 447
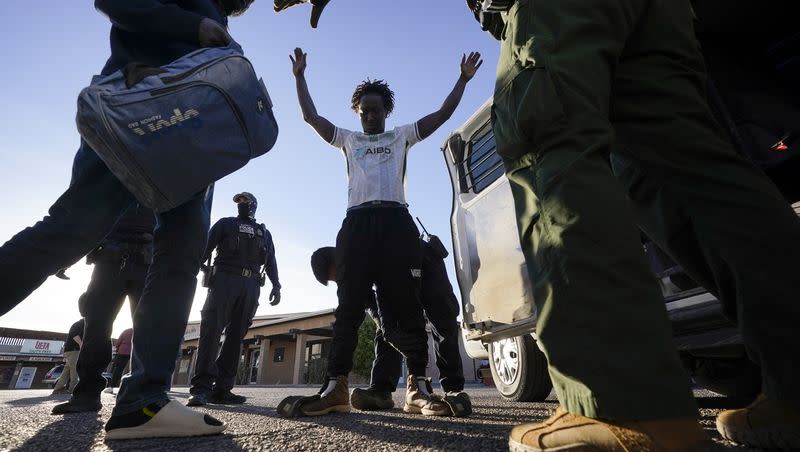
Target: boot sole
78, 410
514, 446
333, 409
782, 439
375, 407
411, 409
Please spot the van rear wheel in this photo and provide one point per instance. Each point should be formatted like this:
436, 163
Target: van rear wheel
519, 369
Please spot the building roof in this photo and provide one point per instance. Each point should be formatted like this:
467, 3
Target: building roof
262, 321
292, 318
255, 319
33, 334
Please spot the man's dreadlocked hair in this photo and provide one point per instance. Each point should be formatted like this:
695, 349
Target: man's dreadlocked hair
378, 87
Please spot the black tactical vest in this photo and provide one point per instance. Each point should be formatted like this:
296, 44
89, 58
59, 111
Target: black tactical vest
243, 244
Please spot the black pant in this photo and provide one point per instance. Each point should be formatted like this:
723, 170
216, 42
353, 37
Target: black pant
231, 304
111, 282
117, 367
379, 246
441, 308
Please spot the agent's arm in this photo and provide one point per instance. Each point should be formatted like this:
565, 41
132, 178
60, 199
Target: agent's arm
271, 269
324, 128
469, 66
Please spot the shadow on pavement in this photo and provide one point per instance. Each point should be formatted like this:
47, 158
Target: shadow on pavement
73, 432
223, 442
38, 400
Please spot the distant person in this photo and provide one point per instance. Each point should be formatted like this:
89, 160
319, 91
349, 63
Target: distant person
578, 82
245, 257
378, 242
120, 268
153, 33
69, 376
121, 359
441, 309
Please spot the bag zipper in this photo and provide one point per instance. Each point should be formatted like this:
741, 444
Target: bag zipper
169, 79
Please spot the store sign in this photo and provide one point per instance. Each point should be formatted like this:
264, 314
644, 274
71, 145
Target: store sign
39, 358
40, 347
8, 358
25, 379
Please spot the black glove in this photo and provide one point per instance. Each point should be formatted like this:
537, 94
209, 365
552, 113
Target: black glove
212, 34
275, 296
204, 268
316, 8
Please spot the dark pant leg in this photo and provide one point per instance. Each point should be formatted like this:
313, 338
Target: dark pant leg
441, 307
715, 214
76, 223
398, 264
354, 287
136, 276
216, 314
160, 319
118, 368
387, 365
241, 317
602, 322
101, 304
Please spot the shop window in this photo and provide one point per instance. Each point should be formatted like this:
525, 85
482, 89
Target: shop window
279, 355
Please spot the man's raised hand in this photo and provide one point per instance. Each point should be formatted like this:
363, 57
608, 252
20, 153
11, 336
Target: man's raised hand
298, 62
470, 65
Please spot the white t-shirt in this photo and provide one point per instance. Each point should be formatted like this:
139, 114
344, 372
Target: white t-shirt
376, 164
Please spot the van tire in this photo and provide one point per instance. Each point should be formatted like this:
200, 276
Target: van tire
531, 382
736, 378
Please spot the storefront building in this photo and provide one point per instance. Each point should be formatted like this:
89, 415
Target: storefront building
288, 349
26, 356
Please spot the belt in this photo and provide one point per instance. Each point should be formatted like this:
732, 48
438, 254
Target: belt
378, 205
246, 272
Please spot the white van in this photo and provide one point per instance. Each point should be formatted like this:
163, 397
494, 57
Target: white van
499, 315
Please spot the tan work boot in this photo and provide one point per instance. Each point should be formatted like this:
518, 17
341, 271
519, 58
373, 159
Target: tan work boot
423, 402
337, 401
564, 431
766, 424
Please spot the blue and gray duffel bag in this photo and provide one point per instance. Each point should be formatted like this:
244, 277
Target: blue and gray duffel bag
168, 133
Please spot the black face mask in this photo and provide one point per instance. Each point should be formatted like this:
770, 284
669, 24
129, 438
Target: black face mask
247, 209
234, 7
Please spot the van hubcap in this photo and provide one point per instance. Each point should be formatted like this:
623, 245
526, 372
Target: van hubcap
505, 357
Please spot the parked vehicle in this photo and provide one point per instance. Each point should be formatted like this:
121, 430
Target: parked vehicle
499, 315
52, 375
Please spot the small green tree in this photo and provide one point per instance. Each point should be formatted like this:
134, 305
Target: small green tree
365, 350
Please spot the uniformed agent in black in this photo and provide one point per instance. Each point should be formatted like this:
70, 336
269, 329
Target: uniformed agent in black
245, 258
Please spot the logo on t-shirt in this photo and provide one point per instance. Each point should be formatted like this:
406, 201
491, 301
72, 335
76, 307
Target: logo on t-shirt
361, 153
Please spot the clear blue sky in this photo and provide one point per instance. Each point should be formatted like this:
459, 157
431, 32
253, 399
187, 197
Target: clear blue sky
51, 48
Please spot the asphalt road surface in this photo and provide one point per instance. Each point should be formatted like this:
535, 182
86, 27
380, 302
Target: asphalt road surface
27, 425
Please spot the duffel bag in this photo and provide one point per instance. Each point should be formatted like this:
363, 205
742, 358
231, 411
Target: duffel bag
170, 132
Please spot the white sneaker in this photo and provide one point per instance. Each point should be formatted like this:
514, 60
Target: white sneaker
108, 390
172, 420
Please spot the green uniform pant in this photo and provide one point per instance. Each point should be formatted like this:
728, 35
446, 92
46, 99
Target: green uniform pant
576, 79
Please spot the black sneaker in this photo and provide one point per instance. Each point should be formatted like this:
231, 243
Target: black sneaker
371, 399
226, 398
197, 400
77, 405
